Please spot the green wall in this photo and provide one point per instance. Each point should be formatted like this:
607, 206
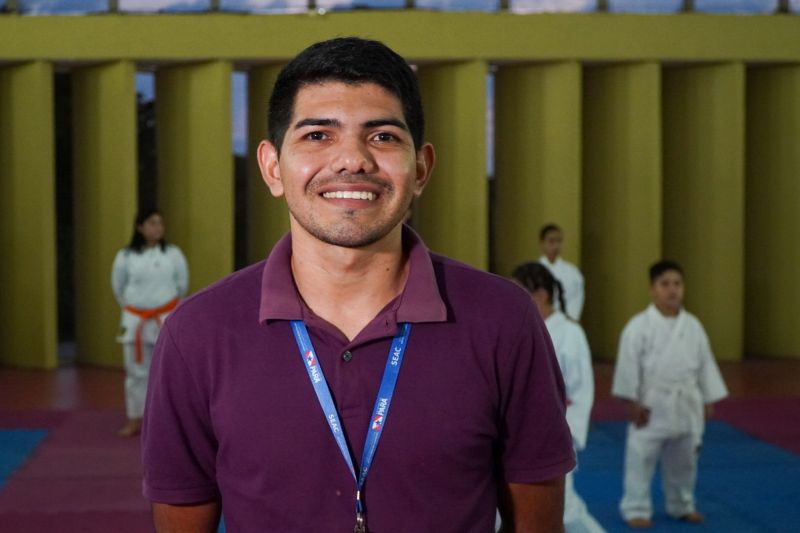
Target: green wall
642, 136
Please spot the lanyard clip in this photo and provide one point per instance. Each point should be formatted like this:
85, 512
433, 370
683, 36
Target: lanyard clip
361, 526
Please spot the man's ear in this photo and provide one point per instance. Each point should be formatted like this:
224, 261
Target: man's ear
426, 159
270, 170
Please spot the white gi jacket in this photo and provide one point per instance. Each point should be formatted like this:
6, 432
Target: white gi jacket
575, 361
666, 364
572, 281
147, 280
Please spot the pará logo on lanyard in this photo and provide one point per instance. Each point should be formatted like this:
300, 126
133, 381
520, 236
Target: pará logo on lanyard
380, 411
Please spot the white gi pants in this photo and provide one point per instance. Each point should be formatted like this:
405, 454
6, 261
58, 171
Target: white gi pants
136, 378
678, 456
577, 518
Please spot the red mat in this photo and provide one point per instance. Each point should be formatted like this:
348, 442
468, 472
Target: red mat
774, 420
83, 478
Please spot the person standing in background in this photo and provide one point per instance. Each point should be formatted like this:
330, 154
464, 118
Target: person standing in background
575, 362
667, 374
550, 240
148, 278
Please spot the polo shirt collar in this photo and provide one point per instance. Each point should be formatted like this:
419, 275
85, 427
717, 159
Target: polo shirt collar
420, 300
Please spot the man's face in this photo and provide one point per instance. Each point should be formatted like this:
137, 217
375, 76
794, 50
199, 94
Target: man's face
551, 244
347, 166
667, 292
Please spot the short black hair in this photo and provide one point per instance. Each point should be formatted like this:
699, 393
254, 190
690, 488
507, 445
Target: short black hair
547, 228
665, 265
349, 60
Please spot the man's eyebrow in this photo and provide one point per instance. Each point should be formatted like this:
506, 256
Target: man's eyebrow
378, 122
331, 122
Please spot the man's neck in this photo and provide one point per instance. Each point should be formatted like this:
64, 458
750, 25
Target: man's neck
348, 286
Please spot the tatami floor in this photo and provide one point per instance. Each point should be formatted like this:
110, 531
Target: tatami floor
79, 477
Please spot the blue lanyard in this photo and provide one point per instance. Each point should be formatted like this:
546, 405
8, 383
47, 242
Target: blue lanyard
379, 412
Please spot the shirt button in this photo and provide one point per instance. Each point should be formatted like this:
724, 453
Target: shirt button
347, 356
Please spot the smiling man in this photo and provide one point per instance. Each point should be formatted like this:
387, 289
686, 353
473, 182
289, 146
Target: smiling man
354, 381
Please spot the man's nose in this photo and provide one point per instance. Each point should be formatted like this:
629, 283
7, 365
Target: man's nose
353, 157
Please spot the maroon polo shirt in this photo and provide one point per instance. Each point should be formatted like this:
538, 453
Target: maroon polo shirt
231, 413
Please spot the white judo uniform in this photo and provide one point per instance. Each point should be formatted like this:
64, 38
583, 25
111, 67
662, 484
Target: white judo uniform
571, 280
574, 359
666, 364
144, 282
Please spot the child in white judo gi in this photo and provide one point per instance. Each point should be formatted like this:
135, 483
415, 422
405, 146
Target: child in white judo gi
148, 277
550, 240
666, 371
574, 359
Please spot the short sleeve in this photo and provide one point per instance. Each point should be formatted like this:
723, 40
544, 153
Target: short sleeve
178, 442
626, 371
119, 277
535, 442
711, 382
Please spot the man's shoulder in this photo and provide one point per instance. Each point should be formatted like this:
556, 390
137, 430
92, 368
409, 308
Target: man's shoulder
235, 292
481, 290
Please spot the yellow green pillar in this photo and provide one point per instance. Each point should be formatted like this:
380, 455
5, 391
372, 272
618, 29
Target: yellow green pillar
703, 191
195, 165
28, 324
621, 210
452, 214
267, 217
537, 160
773, 218
105, 194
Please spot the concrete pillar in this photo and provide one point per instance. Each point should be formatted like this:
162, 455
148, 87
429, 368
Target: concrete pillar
28, 325
105, 192
773, 218
267, 217
537, 160
452, 215
703, 190
621, 212
195, 165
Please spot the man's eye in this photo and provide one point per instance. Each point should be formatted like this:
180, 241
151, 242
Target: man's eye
316, 136
384, 137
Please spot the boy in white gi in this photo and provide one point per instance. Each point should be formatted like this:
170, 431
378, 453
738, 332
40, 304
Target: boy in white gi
666, 371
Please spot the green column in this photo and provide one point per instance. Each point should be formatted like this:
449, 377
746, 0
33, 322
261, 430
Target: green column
267, 217
105, 192
195, 165
704, 194
452, 215
773, 217
537, 160
28, 326
621, 218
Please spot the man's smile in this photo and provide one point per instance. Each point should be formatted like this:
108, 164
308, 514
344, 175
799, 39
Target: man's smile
355, 195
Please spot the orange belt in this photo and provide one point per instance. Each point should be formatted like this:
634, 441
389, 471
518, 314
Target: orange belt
147, 315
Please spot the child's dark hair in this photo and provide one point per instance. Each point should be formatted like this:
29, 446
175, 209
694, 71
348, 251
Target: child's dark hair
665, 265
534, 276
137, 239
349, 60
547, 228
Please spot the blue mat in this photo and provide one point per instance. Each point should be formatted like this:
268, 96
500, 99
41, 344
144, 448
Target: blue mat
15, 447
744, 484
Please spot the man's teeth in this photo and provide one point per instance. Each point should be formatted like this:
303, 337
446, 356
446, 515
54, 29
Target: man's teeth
355, 195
